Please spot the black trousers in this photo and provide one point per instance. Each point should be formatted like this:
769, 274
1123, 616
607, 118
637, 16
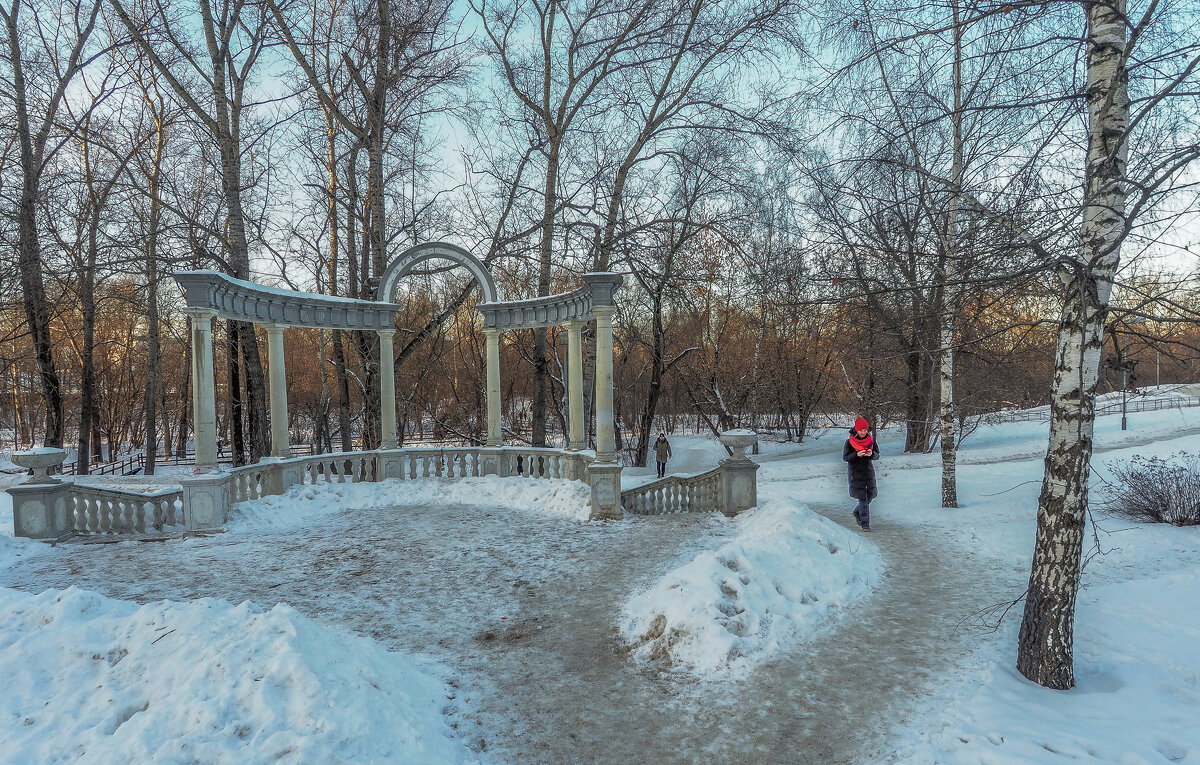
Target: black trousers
662, 469
862, 513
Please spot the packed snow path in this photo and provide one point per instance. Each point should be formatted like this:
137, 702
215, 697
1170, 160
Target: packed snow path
524, 608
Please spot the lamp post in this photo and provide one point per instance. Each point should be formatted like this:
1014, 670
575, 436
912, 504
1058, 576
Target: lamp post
1124, 375
1125, 364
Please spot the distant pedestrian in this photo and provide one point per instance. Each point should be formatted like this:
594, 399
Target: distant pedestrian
662, 453
860, 451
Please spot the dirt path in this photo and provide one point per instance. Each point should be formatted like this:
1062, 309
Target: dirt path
547, 683
830, 702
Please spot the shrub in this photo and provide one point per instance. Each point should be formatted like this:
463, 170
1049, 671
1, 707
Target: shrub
1156, 490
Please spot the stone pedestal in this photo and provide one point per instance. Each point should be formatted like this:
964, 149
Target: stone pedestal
205, 500
575, 466
273, 479
605, 480
389, 465
42, 510
489, 461
42, 505
739, 482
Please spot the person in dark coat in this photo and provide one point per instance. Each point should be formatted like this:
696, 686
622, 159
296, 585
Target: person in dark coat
662, 453
860, 451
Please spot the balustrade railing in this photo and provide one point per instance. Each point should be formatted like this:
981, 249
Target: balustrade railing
97, 509
677, 494
535, 463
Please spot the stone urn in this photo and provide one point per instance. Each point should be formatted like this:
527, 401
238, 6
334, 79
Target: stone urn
738, 441
40, 461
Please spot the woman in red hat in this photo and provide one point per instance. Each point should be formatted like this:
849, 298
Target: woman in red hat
859, 452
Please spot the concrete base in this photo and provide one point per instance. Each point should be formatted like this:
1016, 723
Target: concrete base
489, 461
605, 480
739, 485
42, 510
205, 500
389, 466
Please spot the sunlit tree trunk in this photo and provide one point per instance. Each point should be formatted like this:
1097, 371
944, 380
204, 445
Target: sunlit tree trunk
950, 290
1045, 644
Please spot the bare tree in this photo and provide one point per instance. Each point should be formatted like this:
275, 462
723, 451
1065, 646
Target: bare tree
1117, 46
38, 94
373, 67
232, 38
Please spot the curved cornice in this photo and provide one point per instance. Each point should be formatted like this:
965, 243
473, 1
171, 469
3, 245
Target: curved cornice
240, 300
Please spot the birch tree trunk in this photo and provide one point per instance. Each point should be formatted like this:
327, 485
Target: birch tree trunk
1045, 643
950, 290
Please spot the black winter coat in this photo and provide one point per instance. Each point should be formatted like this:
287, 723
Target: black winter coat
860, 472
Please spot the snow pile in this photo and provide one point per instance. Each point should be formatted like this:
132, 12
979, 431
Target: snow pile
1137, 688
300, 505
14, 549
769, 589
93, 680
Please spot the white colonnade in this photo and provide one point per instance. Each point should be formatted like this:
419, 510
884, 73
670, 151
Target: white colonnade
210, 295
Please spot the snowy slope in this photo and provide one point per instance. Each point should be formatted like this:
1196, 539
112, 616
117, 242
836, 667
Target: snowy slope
486, 586
94, 680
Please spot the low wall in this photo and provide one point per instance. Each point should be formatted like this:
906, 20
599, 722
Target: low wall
52, 510
45, 508
730, 488
208, 496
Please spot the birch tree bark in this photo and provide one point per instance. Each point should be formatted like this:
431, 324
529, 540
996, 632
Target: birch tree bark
950, 290
1046, 640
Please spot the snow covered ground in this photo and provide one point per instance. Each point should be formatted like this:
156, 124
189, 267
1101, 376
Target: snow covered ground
89, 679
486, 620
769, 589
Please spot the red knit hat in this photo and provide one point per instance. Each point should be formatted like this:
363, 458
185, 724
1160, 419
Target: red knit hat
862, 424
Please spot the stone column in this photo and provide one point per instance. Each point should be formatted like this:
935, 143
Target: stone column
387, 389
494, 437
575, 438
204, 407
278, 380
606, 443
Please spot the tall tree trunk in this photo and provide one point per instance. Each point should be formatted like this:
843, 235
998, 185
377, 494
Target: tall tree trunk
185, 402
342, 379
949, 275
545, 251
228, 134
917, 401
87, 375
153, 354
237, 440
650, 405
1045, 645
29, 249
343, 389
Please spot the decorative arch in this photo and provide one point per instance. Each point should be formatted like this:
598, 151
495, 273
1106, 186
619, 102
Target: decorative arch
407, 260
